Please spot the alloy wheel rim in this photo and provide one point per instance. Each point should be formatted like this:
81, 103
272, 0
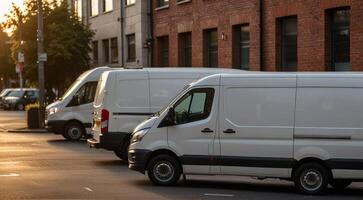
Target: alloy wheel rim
74, 133
163, 171
311, 179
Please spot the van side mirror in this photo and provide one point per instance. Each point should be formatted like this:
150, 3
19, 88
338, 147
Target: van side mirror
169, 119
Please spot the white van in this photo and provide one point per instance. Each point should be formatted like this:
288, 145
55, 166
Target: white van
124, 98
71, 115
303, 127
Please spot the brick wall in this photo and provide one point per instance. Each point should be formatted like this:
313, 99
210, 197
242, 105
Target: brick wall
313, 48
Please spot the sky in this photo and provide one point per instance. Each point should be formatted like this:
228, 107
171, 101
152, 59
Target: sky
5, 6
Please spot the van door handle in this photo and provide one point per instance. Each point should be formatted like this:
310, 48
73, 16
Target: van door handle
230, 131
207, 130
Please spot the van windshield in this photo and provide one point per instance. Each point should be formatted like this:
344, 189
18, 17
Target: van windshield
74, 85
167, 105
100, 91
16, 93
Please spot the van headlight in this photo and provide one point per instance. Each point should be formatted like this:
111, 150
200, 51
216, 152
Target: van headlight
53, 110
137, 136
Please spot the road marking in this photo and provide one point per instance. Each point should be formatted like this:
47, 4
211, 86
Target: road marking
218, 195
9, 175
88, 189
9, 163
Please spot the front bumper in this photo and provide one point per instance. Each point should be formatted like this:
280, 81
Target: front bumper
112, 141
55, 126
138, 159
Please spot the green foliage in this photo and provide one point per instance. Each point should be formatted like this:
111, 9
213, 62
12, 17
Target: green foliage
7, 67
66, 41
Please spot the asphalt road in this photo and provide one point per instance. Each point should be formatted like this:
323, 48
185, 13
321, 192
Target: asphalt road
44, 166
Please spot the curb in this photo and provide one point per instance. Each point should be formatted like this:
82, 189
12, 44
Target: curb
28, 131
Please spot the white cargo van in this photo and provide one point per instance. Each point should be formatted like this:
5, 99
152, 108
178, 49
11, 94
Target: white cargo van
71, 115
124, 98
303, 127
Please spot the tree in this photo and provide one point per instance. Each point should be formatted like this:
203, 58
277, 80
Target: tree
66, 41
7, 67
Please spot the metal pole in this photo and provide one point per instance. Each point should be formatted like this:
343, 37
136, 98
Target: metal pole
41, 64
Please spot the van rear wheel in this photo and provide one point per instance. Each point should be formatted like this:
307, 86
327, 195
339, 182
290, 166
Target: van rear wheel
340, 184
311, 178
74, 131
164, 170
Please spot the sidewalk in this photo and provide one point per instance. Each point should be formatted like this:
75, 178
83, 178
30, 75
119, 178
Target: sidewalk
15, 122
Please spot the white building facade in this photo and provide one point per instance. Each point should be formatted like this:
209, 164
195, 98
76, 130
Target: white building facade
122, 31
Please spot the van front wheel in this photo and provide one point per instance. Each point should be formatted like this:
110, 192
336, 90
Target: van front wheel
311, 178
73, 131
164, 170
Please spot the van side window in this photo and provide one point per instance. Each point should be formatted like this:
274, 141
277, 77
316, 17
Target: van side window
194, 106
87, 93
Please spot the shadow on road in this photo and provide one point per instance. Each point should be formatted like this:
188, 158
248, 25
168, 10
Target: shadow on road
110, 163
269, 190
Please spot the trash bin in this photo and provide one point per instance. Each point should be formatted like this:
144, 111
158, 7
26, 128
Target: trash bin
33, 118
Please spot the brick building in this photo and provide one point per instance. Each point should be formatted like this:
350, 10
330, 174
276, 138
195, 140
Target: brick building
271, 35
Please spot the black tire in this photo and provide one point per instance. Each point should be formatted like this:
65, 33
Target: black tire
73, 131
164, 170
340, 184
123, 154
311, 178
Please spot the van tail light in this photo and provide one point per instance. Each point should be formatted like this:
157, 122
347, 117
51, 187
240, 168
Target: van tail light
105, 115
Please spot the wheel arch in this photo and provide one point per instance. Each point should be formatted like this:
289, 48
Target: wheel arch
163, 152
319, 161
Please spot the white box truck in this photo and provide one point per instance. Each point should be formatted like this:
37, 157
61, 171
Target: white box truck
71, 115
124, 98
303, 127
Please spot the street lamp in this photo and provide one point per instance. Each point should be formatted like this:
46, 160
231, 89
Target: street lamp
40, 40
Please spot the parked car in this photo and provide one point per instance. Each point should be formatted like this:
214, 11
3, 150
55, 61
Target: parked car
303, 127
71, 115
3, 94
18, 98
124, 98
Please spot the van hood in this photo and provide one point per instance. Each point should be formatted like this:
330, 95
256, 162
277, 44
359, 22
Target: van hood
54, 104
146, 124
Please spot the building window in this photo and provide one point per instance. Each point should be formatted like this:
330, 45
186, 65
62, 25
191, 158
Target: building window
114, 50
211, 48
78, 8
130, 2
288, 45
162, 3
241, 47
95, 52
163, 47
107, 5
340, 39
185, 49
131, 48
94, 7
106, 51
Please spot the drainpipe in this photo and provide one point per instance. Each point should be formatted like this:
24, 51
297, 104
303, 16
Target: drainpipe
261, 9
122, 20
151, 34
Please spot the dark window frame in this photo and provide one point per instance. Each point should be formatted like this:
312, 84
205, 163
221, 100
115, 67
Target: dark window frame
185, 49
284, 43
163, 51
334, 29
95, 52
162, 3
106, 51
241, 41
131, 47
114, 47
211, 48
208, 105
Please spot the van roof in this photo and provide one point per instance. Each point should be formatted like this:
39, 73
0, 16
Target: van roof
300, 79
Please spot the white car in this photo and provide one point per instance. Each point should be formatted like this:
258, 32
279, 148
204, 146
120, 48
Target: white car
124, 98
71, 115
303, 127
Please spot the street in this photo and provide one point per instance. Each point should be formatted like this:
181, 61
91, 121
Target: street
45, 166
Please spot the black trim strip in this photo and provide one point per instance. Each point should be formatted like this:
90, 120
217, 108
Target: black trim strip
320, 137
238, 161
137, 114
264, 162
87, 125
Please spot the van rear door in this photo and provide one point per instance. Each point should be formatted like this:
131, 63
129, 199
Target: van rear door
257, 125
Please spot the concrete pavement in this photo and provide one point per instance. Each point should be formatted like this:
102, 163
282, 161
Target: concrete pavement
45, 166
